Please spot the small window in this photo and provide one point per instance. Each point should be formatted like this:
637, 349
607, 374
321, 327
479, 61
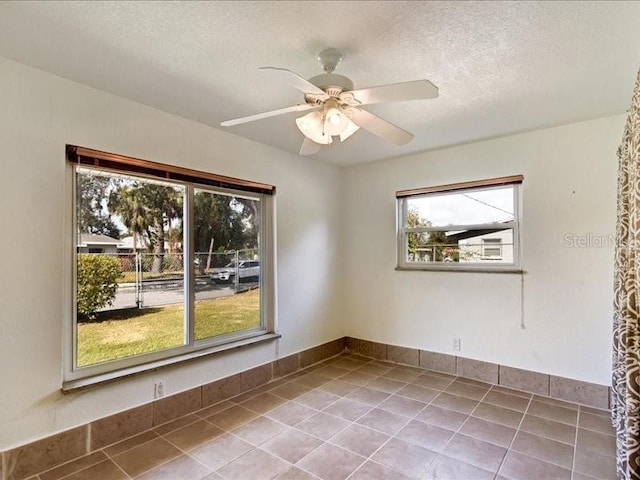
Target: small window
177, 269
492, 248
472, 225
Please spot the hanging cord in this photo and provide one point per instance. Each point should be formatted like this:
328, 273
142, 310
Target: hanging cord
522, 324
520, 208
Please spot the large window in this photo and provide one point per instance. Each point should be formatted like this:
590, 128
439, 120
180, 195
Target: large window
167, 262
471, 225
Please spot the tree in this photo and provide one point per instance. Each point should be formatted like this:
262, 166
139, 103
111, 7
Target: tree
126, 203
436, 242
226, 221
91, 196
148, 208
252, 211
443, 247
416, 240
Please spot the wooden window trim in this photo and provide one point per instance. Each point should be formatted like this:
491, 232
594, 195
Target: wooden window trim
96, 158
491, 182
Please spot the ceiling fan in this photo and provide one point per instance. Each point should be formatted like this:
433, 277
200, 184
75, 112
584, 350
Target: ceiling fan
335, 107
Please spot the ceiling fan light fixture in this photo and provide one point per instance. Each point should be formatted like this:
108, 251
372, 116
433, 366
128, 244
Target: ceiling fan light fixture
333, 117
336, 122
311, 127
350, 130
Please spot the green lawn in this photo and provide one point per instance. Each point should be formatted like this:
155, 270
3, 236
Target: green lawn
132, 332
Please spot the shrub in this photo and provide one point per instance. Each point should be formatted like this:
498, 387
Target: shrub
97, 283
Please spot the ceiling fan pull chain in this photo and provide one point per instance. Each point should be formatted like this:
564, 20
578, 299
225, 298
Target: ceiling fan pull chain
324, 117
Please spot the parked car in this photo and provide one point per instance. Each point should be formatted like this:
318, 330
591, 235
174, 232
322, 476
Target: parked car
248, 271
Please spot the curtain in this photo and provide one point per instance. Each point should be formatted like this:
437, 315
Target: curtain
625, 396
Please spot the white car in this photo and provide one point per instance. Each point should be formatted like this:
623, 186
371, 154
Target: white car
248, 271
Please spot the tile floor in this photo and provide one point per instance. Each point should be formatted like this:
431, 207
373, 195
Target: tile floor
360, 419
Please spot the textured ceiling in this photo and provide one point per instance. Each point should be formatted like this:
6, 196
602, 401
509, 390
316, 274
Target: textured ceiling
501, 67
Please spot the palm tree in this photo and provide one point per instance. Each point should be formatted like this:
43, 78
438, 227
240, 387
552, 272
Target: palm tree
125, 203
148, 208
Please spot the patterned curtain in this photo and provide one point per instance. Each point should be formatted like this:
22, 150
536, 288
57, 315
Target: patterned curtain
625, 397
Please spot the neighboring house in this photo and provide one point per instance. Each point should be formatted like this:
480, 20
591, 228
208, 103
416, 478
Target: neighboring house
472, 245
92, 243
143, 245
126, 244
492, 246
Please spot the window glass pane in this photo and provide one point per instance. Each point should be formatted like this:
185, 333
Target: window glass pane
227, 264
469, 246
130, 275
472, 207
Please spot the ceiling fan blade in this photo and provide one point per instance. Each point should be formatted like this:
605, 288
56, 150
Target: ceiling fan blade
395, 92
259, 116
296, 81
309, 147
379, 126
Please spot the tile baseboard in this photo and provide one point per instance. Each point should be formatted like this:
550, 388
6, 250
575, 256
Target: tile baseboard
547, 385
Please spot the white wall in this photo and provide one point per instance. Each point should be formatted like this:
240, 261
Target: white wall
569, 189
39, 114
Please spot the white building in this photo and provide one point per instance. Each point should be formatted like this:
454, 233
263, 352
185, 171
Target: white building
495, 246
93, 243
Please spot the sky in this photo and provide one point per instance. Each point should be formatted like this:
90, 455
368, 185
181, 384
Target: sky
466, 208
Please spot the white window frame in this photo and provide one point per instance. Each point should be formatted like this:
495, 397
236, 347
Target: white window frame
402, 231
76, 377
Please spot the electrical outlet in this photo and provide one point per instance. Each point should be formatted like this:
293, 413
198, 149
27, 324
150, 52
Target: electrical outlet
456, 344
158, 389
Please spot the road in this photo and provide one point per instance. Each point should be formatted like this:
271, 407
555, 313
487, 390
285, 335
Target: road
156, 293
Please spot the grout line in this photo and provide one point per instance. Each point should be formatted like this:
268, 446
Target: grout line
104, 449
182, 452
545, 437
391, 437
524, 414
121, 469
437, 454
575, 445
225, 431
201, 463
459, 428
74, 460
175, 419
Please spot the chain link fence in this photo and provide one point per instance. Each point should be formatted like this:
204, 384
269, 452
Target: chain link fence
154, 280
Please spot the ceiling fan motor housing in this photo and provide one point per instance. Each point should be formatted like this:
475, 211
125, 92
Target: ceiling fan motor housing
332, 83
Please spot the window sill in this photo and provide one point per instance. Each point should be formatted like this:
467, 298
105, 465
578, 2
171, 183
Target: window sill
437, 268
72, 386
